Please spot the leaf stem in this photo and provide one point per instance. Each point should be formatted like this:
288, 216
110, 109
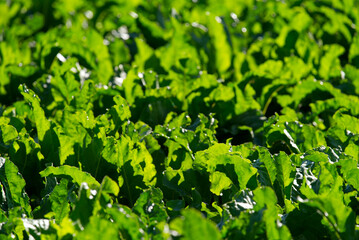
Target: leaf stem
270, 99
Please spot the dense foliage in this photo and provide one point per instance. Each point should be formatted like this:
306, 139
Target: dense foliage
179, 119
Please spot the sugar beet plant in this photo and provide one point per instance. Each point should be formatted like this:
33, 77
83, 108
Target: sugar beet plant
179, 119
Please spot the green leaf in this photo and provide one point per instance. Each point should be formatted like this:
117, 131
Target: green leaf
298, 137
218, 158
135, 164
8, 133
14, 223
65, 86
128, 223
348, 167
330, 64
14, 186
109, 186
241, 202
42, 124
72, 173
194, 226
338, 218
85, 206
219, 38
354, 51
219, 182
102, 140
59, 201
270, 69
285, 176
346, 121
266, 166
144, 53
47, 137
150, 207
266, 198
99, 228
120, 112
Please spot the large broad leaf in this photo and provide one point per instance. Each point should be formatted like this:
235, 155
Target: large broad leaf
45, 134
219, 182
72, 173
64, 85
266, 166
194, 226
265, 198
178, 48
191, 185
136, 169
127, 222
85, 206
285, 176
297, 137
91, 201
354, 51
151, 209
91, 51
330, 64
144, 53
59, 201
345, 122
337, 217
342, 127
224, 167
310, 88
14, 186
183, 139
222, 48
350, 171
120, 112
42, 124
8, 133
25, 153
99, 228
241, 202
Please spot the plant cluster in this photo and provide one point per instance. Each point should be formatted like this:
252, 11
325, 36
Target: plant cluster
179, 119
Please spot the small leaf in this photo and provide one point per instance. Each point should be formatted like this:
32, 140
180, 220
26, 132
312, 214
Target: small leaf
8, 133
219, 182
109, 186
